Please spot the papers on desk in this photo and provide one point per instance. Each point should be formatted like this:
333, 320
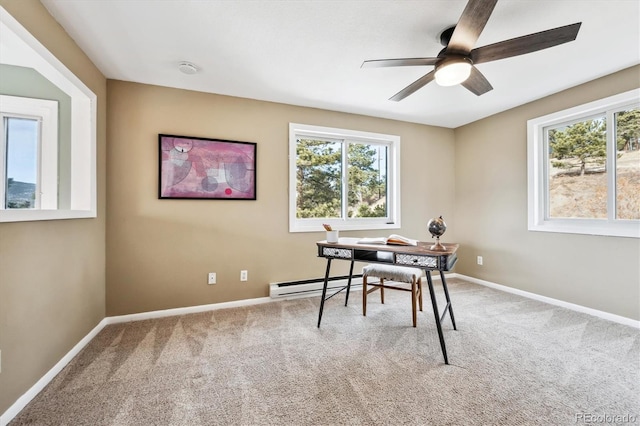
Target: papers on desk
392, 239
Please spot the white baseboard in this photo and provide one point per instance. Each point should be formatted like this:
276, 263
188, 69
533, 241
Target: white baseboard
579, 308
188, 310
17, 406
13, 411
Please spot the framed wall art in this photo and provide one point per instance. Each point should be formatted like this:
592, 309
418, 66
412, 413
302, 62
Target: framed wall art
208, 169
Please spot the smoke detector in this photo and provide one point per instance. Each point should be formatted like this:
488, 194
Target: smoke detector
187, 68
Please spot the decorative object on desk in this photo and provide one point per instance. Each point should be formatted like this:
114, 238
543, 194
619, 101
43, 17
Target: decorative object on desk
332, 236
201, 168
393, 239
436, 228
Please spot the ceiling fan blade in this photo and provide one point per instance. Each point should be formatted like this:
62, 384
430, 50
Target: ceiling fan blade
525, 44
419, 83
477, 83
402, 62
470, 25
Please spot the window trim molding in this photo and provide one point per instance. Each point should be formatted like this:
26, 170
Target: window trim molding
537, 171
343, 224
23, 49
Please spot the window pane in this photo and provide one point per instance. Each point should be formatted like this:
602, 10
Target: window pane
628, 164
318, 178
22, 163
367, 195
577, 178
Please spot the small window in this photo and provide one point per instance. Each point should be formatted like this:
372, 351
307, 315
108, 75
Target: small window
28, 153
584, 168
344, 178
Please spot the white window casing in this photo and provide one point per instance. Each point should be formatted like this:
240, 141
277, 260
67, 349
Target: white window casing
20, 48
46, 113
537, 170
391, 221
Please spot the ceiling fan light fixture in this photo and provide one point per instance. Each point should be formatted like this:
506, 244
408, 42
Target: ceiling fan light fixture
452, 71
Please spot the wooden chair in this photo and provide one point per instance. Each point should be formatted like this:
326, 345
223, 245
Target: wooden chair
392, 273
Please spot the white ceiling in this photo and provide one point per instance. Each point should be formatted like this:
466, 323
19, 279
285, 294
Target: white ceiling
309, 52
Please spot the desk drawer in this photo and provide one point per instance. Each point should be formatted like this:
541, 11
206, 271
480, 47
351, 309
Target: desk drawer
415, 260
337, 252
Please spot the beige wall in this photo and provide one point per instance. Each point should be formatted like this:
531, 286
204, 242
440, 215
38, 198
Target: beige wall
491, 214
52, 273
160, 251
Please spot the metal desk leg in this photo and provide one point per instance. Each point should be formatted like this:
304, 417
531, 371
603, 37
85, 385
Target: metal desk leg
446, 293
324, 290
437, 316
346, 300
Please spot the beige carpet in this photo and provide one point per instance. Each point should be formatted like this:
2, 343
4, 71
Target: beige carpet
514, 361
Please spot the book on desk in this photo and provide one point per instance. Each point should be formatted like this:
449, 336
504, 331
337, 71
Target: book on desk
393, 239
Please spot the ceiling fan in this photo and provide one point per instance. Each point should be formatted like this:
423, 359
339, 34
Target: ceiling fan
455, 64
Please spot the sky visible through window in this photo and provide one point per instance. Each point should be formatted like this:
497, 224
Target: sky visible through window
22, 149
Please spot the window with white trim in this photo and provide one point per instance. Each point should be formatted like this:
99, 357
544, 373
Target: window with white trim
74, 153
28, 153
584, 168
347, 179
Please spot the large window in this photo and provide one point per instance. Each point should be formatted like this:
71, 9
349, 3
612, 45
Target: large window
344, 178
584, 168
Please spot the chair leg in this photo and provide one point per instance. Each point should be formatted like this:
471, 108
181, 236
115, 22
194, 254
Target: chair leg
416, 294
364, 295
413, 301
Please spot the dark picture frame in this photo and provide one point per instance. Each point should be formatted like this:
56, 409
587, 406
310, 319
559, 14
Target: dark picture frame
206, 169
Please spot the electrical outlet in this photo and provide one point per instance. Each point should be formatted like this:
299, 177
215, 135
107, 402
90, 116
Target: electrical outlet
480, 260
244, 275
212, 278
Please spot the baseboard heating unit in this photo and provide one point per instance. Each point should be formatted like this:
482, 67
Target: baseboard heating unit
311, 287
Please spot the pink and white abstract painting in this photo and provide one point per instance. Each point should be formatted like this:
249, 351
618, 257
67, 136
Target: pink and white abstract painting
200, 168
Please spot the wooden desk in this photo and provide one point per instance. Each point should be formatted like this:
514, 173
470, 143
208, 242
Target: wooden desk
420, 256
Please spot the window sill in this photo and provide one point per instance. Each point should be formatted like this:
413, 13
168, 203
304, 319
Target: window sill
589, 227
316, 226
35, 215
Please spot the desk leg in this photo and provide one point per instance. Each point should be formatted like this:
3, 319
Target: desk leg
437, 316
324, 290
446, 293
346, 300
